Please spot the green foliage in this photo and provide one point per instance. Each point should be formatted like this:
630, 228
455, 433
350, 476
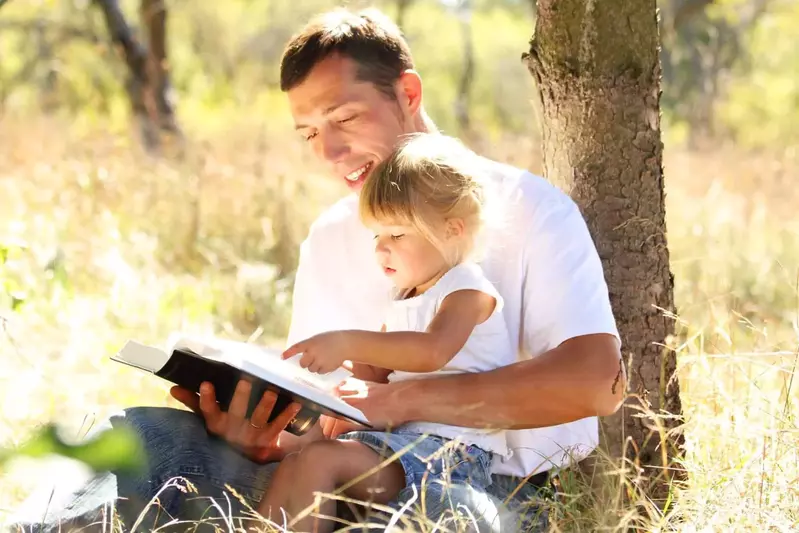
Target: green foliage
12, 291
115, 449
227, 54
761, 108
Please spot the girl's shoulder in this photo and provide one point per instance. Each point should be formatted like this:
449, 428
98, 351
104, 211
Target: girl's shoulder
467, 276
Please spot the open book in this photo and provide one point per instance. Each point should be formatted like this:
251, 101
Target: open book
188, 361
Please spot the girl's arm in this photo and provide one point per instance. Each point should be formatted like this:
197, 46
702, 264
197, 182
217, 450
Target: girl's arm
406, 351
367, 372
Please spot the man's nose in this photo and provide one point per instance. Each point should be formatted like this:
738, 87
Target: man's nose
333, 147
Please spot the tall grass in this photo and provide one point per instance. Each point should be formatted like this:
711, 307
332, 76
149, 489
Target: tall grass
102, 244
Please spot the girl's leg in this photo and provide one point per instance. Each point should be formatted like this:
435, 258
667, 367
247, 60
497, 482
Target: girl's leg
322, 467
276, 496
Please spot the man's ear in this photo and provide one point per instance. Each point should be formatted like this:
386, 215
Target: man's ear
455, 228
409, 91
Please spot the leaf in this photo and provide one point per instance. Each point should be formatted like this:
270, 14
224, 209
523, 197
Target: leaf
117, 449
17, 299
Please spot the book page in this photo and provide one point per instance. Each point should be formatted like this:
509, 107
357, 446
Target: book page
268, 364
141, 356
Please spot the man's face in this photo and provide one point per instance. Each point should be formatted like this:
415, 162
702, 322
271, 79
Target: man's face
350, 125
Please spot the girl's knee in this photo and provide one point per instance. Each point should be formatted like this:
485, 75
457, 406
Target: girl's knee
319, 453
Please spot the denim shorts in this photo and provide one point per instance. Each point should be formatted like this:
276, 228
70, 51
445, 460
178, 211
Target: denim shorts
430, 459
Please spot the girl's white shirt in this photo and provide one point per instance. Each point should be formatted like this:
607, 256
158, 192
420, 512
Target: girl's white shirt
487, 348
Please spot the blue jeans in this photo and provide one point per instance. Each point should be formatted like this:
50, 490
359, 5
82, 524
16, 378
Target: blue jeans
186, 479
429, 460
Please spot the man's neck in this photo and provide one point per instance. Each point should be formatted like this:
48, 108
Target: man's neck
423, 123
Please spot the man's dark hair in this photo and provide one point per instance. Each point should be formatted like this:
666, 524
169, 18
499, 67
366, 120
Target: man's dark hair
367, 37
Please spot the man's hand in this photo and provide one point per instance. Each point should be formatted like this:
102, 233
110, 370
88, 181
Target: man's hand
262, 443
322, 353
333, 427
381, 403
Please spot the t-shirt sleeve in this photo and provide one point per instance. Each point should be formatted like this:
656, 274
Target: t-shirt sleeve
565, 291
468, 276
303, 308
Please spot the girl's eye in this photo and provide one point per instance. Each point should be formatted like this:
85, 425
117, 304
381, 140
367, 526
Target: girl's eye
348, 119
310, 136
396, 237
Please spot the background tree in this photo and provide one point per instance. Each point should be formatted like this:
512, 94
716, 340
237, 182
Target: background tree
148, 83
597, 69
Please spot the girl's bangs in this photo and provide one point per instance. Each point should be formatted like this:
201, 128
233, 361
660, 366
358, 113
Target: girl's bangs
386, 203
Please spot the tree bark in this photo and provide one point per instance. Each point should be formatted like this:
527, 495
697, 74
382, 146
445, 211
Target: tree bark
153, 16
148, 80
597, 70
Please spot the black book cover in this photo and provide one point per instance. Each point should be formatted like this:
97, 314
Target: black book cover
189, 370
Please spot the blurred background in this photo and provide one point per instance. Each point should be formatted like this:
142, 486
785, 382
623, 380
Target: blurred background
130, 214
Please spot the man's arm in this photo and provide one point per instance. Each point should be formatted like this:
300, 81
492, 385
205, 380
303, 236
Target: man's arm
582, 377
576, 368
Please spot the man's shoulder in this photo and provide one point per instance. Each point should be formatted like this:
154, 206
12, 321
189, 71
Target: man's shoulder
335, 220
526, 195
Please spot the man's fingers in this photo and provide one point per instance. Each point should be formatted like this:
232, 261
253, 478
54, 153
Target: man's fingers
306, 360
264, 408
240, 401
273, 429
351, 387
354, 401
210, 409
186, 397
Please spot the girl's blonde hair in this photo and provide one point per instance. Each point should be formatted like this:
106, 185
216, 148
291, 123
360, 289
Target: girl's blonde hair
428, 179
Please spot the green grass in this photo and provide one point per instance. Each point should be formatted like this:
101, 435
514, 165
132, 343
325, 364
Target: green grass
102, 244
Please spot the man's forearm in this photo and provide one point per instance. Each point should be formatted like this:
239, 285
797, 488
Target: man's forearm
582, 377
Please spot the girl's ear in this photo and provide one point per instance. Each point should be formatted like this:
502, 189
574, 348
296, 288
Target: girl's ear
455, 228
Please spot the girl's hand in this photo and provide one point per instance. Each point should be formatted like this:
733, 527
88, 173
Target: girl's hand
322, 353
333, 427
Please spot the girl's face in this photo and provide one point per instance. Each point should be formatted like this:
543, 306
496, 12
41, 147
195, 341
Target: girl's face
407, 257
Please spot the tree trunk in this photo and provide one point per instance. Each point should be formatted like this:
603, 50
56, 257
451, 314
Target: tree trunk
148, 80
598, 74
153, 15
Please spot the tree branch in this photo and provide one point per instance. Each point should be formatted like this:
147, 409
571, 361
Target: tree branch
136, 59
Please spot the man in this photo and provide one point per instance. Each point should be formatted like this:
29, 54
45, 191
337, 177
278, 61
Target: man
353, 94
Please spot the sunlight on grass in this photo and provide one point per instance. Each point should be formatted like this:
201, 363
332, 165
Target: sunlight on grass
100, 244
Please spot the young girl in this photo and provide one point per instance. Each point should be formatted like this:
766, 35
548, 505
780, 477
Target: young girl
426, 206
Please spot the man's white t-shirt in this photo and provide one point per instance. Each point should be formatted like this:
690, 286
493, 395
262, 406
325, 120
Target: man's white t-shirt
541, 259
488, 347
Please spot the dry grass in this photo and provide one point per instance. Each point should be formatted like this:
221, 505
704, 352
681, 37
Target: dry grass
106, 245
